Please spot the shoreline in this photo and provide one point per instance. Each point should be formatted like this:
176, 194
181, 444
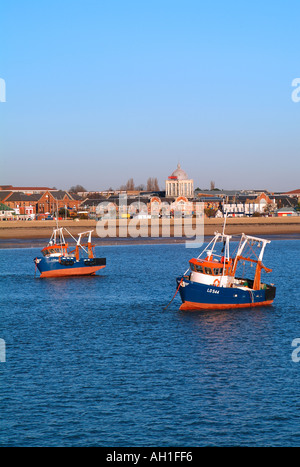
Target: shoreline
31, 234
40, 242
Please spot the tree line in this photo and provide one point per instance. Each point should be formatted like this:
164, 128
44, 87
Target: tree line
152, 185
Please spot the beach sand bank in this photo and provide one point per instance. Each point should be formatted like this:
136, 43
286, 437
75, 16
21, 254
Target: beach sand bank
33, 233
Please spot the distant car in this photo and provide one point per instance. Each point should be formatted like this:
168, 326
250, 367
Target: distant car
49, 218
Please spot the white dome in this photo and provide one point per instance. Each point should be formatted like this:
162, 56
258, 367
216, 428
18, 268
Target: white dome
180, 174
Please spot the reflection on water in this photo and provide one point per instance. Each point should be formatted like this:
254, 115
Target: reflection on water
97, 361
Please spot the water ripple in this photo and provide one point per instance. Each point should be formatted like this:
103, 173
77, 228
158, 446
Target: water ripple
97, 362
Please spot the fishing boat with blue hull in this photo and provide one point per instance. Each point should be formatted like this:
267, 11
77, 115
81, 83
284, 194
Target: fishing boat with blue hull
216, 282
60, 261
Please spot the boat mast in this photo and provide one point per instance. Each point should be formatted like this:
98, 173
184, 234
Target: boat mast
259, 266
56, 214
224, 225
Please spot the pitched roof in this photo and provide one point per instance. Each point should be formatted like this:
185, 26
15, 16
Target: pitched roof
3, 207
19, 196
286, 209
4, 194
35, 196
293, 192
75, 196
59, 194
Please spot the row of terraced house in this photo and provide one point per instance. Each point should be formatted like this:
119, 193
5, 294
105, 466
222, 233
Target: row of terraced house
215, 203
35, 202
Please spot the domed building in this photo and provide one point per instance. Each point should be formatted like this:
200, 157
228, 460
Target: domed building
179, 184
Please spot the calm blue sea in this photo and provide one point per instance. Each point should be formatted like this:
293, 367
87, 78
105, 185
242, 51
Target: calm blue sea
97, 362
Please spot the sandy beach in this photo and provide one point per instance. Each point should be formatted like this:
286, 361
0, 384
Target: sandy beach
18, 233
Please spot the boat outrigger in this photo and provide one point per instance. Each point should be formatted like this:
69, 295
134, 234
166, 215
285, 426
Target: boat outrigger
211, 282
59, 261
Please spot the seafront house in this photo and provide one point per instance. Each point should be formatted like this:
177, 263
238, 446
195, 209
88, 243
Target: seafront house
51, 202
6, 213
246, 202
286, 212
23, 205
249, 204
34, 201
22, 200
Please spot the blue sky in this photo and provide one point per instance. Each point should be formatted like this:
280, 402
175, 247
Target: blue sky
101, 91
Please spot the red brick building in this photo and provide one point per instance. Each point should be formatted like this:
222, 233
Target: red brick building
51, 202
47, 202
22, 204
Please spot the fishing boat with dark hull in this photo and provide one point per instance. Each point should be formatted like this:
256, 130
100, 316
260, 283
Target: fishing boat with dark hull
212, 281
59, 260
